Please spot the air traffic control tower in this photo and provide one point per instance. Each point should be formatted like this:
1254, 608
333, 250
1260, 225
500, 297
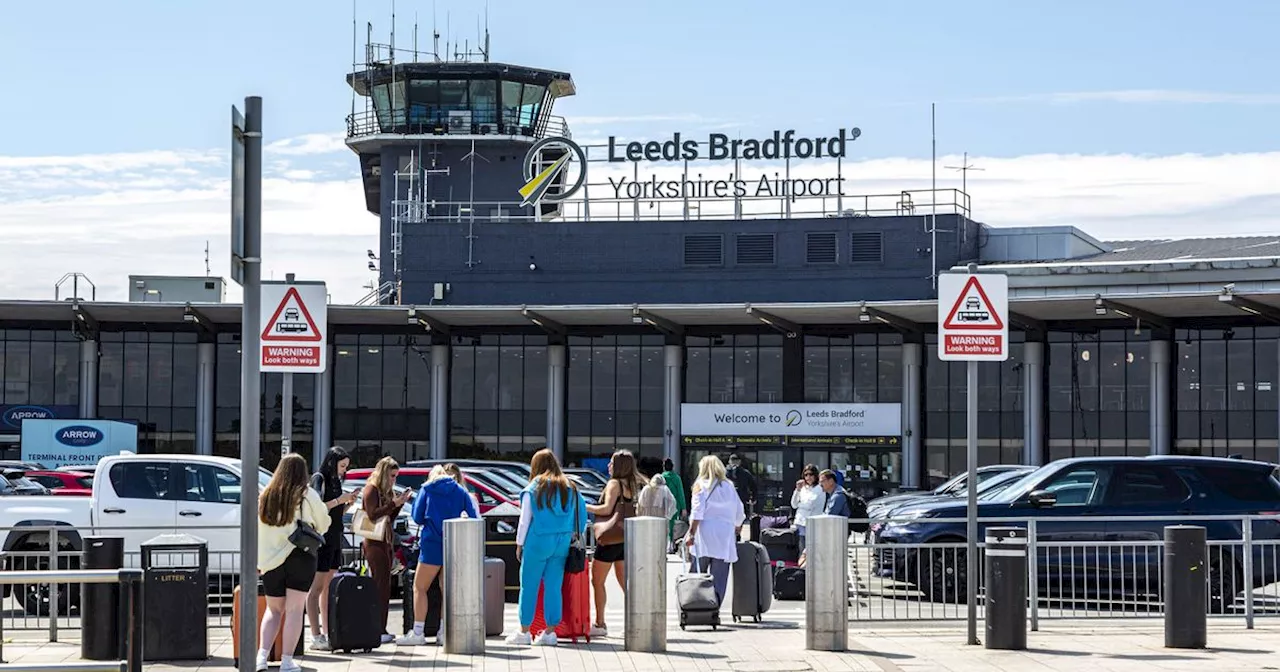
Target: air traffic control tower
444, 140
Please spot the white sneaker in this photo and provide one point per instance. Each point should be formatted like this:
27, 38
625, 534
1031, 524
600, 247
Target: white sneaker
520, 639
290, 666
319, 643
387, 638
599, 631
440, 636
547, 638
261, 663
412, 639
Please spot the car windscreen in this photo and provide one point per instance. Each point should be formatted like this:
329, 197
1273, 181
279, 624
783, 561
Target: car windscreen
1023, 485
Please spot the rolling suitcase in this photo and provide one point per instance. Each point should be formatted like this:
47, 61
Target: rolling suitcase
274, 654
753, 527
495, 594
575, 617
435, 605
788, 583
752, 582
355, 623
696, 595
782, 545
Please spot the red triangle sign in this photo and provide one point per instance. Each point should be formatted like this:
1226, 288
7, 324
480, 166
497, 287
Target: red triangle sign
291, 322
973, 310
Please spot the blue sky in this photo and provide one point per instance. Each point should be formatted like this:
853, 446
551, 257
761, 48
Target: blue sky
1127, 119
157, 74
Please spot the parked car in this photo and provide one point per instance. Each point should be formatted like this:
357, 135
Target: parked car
140, 497
65, 483
1069, 499
877, 506
986, 490
588, 477
519, 470
89, 469
14, 482
488, 496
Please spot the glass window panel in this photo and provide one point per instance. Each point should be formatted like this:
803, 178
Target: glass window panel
816, 373
1061, 391
840, 363
935, 375
652, 380
227, 378
579, 378
1138, 375
42, 372
535, 379
418, 375
462, 379
394, 369
1112, 367
484, 101
510, 379
603, 377
159, 374
1213, 374
17, 372
628, 376
697, 375
1188, 374
1240, 376
1086, 358
66, 372
369, 375
186, 374
511, 103
135, 374
889, 373
865, 375
488, 388
770, 374
1265, 366
453, 95
424, 100
746, 386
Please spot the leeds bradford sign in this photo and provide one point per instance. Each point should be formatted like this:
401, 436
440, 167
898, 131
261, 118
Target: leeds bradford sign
551, 157
720, 147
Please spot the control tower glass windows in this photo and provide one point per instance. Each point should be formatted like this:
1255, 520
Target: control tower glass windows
521, 103
389, 104
484, 101
424, 99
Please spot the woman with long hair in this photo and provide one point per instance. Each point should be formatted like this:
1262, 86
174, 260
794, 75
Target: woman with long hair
328, 484
443, 497
806, 500
715, 522
548, 507
287, 571
619, 498
381, 501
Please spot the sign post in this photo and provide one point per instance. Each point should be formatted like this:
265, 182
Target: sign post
973, 326
246, 269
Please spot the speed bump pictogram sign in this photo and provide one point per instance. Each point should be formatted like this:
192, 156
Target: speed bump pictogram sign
973, 317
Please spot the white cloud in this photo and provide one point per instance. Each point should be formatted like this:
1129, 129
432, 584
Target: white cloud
305, 145
1142, 96
111, 215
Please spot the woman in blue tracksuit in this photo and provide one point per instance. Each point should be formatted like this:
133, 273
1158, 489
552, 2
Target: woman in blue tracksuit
441, 498
548, 507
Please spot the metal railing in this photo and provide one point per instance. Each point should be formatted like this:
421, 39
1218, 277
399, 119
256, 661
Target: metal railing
476, 121
1114, 575
130, 632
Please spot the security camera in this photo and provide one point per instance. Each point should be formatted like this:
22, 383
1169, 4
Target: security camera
533, 266
372, 267
372, 255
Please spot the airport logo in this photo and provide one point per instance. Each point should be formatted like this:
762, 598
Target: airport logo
793, 418
542, 171
79, 436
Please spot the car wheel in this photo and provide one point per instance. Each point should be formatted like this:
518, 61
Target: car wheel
942, 578
1224, 581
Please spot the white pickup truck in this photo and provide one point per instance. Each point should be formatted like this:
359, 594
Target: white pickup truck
136, 497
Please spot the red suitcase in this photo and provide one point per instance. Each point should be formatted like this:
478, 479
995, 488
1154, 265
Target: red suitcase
575, 618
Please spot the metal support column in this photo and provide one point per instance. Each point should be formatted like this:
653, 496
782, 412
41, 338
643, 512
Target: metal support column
206, 369
672, 394
89, 379
557, 378
1033, 407
645, 624
322, 427
441, 358
1161, 404
971, 525
250, 380
826, 587
912, 402
463, 587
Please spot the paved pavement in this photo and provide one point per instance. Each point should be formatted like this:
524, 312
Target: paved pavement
777, 644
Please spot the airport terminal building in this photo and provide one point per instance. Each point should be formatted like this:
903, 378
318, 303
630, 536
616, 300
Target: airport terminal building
524, 303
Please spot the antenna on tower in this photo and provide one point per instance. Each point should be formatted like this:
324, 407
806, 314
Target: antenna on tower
393, 35
435, 34
486, 31
207, 270
415, 37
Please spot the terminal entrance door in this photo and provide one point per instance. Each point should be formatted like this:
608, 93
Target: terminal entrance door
767, 465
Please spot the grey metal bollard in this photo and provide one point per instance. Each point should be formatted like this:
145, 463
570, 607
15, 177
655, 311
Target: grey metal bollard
1006, 587
1186, 591
464, 627
826, 583
645, 626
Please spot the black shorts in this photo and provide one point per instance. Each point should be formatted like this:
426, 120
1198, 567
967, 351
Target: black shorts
329, 557
297, 573
611, 553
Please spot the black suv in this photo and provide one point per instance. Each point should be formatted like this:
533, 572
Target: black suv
1087, 554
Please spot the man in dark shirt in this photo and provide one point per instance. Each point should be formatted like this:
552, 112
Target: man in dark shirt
836, 502
743, 482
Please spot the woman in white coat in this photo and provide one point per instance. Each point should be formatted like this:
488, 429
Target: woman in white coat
806, 500
715, 522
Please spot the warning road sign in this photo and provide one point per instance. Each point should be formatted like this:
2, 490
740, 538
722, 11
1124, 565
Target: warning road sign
973, 317
294, 323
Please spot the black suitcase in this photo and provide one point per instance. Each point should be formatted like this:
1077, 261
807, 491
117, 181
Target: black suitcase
788, 583
753, 525
782, 545
435, 602
355, 623
752, 582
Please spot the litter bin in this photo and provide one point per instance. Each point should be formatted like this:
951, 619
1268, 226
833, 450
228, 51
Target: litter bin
175, 598
100, 602
500, 542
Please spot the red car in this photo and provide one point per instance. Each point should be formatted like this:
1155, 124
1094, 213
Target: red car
488, 496
65, 483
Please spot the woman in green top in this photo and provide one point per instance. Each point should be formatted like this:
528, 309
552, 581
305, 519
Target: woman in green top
677, 490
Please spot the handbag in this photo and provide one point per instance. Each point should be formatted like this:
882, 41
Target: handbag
609, 532
576, 561
363, 526
305, 537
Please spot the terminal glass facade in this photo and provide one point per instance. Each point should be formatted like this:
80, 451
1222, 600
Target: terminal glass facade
733, 369
498, 396
381, 396
1226, 392
614, 396
40, 367
1099, 393
151, 378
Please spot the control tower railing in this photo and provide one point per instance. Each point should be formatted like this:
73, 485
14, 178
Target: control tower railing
471, 121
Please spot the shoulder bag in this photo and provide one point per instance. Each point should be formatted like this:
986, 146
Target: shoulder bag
304, 536
576, 561
365, 527
609, 532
